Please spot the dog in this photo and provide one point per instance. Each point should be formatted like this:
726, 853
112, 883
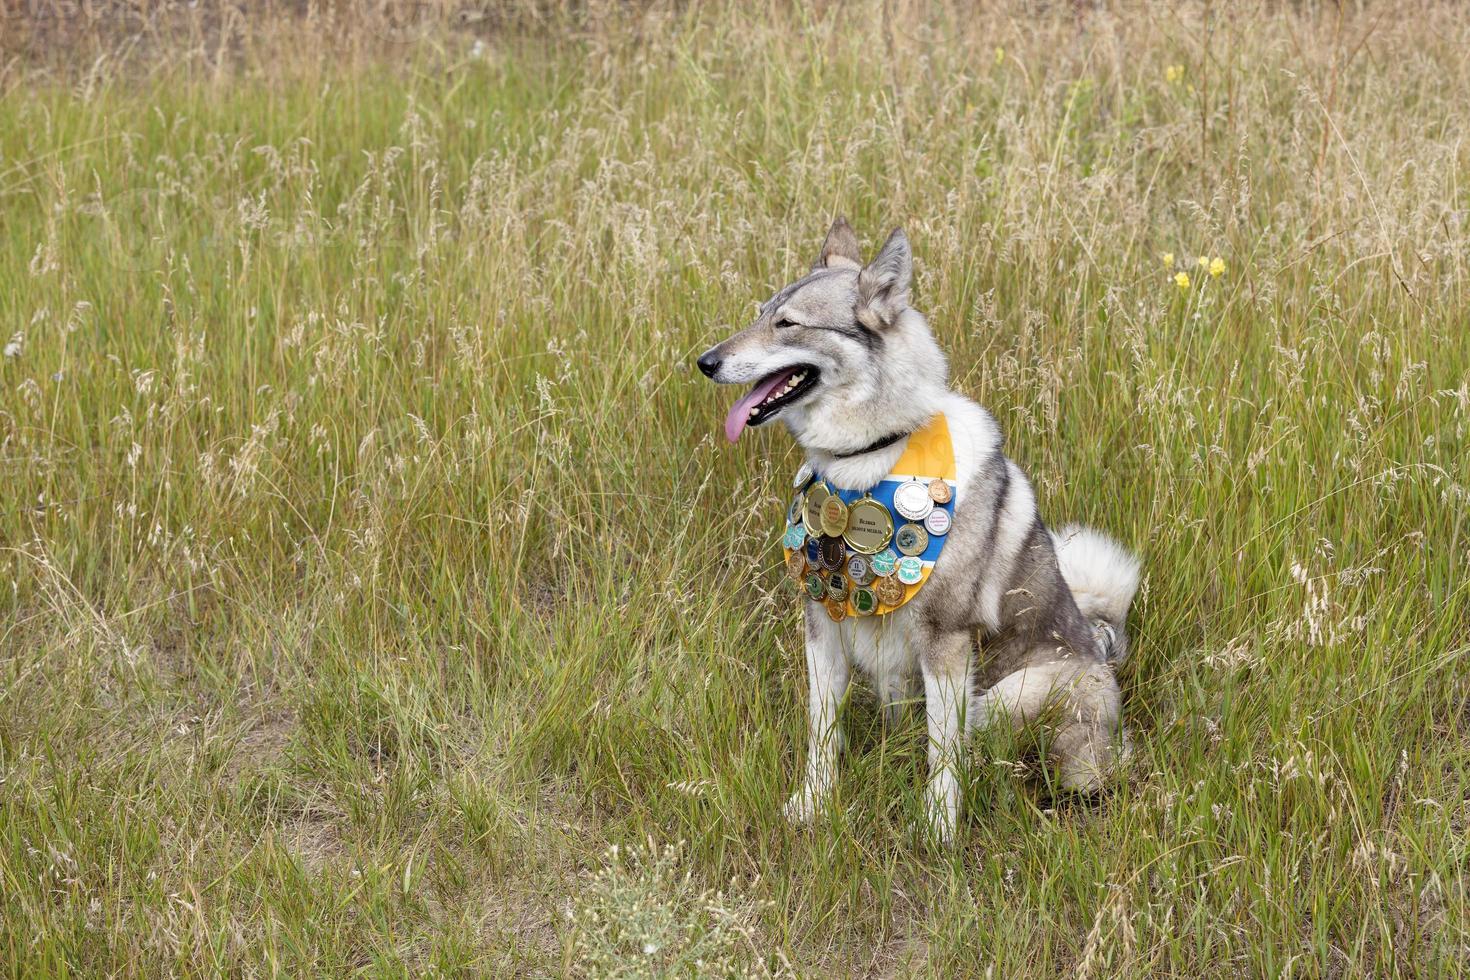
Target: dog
853, 370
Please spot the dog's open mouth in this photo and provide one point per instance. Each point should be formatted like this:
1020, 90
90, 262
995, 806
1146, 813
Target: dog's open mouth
771, 394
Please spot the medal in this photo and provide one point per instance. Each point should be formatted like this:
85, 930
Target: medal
912, 500
910, 570
869, 526
884, 562
890, 591
865, 601
938, 521
803, 475
834, 516
813, 551
836, 611
815, 587
836, 587
796, 566
812, 507
940, 492
794, 537
794, 511
832, 554
859, 570
910, 539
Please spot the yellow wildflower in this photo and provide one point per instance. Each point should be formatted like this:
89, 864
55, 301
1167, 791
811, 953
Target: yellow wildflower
1217, 267
1182, 280
1168, 260
1204, 261
1000, 55
1173, 73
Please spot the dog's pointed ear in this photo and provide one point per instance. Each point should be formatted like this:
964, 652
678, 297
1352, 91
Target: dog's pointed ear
883, 284
839, 248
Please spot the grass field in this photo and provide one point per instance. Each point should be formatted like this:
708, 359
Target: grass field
379, 596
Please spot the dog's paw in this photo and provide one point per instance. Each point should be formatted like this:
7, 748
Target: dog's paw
804, 805
941, 813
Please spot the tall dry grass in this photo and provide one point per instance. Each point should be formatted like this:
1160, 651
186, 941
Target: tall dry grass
371, 564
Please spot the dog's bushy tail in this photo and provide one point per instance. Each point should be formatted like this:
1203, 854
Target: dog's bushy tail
1103, 575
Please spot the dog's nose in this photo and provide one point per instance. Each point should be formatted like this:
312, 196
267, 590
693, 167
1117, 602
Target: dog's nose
709, 362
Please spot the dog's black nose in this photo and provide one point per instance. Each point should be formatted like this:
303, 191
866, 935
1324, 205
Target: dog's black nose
709, 363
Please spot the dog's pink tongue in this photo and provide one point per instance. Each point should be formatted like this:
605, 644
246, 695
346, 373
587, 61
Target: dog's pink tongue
740, 414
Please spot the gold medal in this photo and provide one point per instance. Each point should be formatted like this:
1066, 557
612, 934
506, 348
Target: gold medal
890, 591
796, 565
834, 516
859, 570
812, 507
836, 587
939, 491
869, 526
864, 601
815, 587
836, 611
911, 539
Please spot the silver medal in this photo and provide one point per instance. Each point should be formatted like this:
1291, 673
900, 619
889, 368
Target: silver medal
912, 500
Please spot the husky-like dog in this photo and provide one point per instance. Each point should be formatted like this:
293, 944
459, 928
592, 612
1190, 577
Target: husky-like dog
851, 368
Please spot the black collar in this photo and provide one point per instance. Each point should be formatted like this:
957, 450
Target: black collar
873, 447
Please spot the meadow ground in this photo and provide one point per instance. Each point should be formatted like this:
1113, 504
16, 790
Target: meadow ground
378, 595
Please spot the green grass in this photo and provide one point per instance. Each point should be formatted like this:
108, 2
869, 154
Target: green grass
372, 564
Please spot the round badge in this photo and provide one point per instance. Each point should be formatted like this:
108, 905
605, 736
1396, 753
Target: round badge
832, 554
814, 550
834, 516
796, 566
940, 492
910, 570
884, 562
816, 587
910, 539
836, 611
836, 587
859, 570
794, 537
937, 523
912, 500
869, 526
864, 601
890, 591
812, 507
803, 475
794, 512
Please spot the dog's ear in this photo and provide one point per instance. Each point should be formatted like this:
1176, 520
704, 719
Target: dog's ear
839, 248
883, 284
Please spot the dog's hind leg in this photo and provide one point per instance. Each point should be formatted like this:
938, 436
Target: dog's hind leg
1082, 704
827, 675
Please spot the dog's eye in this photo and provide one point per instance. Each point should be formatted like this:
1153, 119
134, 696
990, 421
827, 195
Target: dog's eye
782, 323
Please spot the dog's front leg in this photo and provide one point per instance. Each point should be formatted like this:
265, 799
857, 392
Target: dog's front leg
827, 673
944, 660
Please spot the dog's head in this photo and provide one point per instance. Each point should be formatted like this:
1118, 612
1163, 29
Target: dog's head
838, 355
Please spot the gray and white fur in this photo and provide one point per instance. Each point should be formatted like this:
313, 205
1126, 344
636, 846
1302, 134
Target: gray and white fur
853, 362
